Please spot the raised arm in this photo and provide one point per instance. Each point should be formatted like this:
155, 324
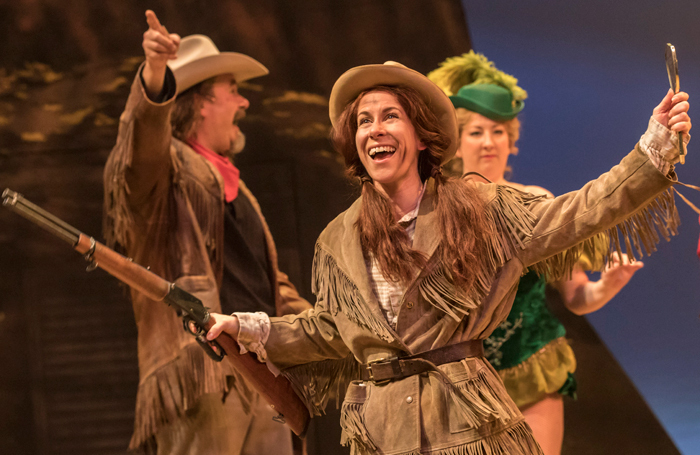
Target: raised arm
159, 46
628, 189
139, 167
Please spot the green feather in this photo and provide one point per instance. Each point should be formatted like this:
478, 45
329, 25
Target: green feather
472, 68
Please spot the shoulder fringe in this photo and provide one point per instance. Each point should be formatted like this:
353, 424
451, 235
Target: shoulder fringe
513, 224
317, 382
515, 439
544, 372
641, 229
173, 389
333, 286
117, 217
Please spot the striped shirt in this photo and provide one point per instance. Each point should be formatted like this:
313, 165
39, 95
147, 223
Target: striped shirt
390, 293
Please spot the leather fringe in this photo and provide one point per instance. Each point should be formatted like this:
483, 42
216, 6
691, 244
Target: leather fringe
355, 434
174, 388
334, 287
484, 404
514, 440
639, 233
117, 217
317, 382
514, 224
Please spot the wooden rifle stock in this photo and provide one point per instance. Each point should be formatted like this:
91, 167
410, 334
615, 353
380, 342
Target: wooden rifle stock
277, 391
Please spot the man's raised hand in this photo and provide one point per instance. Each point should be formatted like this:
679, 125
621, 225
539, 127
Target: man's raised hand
159, 46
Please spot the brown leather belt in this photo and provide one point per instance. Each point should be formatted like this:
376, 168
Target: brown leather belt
385, 370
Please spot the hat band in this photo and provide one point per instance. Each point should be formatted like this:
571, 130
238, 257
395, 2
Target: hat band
486, 110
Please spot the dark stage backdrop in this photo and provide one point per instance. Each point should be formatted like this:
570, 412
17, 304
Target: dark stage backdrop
69, 375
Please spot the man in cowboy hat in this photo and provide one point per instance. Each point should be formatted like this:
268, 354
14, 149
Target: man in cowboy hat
174, 202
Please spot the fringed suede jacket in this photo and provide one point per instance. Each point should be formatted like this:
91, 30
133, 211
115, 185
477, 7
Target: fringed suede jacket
320, 350
164, 206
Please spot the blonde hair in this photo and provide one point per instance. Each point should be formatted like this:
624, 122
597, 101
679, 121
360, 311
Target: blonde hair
512, 126
456, 167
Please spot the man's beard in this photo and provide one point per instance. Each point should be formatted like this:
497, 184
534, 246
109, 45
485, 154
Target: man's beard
237, 145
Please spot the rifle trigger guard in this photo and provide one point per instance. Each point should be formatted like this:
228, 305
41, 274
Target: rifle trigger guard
211, 348
88, 256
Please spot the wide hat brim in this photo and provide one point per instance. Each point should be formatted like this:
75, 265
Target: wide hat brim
192, 73
356, 80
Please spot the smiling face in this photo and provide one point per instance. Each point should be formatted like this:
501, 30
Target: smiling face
220, 113
484, 147
386, 141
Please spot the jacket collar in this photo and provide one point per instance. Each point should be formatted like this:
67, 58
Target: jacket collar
342, 240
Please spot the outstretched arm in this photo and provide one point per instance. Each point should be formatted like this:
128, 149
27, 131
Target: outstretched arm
582, 296
617, 195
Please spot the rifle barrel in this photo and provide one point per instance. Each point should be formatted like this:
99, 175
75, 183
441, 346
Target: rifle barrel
18, 204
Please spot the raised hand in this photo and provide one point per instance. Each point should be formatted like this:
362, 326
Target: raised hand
159, 46
672, 112
583, 296
618, 272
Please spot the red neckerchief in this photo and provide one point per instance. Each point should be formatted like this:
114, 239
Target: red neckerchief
228, 171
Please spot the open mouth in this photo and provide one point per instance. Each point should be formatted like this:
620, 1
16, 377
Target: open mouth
380, 153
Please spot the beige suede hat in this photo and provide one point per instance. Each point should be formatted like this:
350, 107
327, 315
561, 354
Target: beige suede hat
198, 59
356, 80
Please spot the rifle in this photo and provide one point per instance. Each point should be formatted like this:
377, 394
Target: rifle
277, 391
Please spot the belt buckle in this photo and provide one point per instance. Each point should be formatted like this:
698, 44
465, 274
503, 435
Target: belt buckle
379, 361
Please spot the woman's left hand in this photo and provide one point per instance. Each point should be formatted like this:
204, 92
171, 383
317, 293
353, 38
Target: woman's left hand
672, 112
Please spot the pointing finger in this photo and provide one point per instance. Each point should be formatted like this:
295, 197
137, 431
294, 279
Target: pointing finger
154, 23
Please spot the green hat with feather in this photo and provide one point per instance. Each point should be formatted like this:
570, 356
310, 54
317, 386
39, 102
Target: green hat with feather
471, 81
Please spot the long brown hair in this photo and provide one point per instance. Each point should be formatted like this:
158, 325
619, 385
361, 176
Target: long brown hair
463, 224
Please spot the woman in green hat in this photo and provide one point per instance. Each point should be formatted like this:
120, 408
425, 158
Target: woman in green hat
421, 268
528, 349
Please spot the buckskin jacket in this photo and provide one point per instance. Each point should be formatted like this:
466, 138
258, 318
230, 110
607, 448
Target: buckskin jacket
319, 349
164, 206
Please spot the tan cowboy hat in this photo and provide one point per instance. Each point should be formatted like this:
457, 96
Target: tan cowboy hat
356, 80
198, 59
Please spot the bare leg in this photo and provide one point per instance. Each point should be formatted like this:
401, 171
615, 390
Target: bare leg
546, 418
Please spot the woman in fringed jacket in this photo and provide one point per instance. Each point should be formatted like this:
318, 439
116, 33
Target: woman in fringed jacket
529, 349
421, 268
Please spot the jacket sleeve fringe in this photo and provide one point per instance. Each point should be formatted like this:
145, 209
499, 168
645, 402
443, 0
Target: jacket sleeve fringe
117, 216
638, 233
315, 383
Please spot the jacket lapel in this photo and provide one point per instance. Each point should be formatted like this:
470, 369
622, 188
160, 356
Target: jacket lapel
426, 238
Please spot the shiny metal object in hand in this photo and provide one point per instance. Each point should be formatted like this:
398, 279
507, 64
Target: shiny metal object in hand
674, 81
